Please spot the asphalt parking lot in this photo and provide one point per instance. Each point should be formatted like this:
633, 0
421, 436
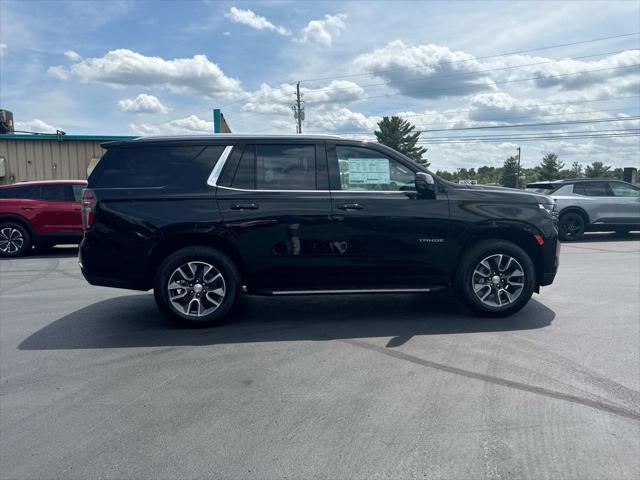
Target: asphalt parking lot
95, 383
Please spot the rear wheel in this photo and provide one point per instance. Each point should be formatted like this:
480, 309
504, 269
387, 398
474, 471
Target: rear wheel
571, 226
197, 286
14, 240
495, 278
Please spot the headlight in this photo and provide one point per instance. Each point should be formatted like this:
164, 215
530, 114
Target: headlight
550, 208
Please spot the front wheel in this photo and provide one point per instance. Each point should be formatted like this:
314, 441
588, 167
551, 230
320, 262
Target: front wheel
495, 278
197, 286
571, 226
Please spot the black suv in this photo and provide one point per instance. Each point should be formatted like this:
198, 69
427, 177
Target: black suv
200, 219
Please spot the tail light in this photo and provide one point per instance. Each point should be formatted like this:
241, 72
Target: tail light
89, 203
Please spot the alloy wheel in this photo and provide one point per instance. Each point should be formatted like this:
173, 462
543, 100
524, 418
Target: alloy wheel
571, 226
11, 240
196, 289
498, 280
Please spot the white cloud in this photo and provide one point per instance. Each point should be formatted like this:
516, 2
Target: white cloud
182, 126
343, 119
196, 75
35, 125
426, 71
72, 56
322, 31
253, 20
490, 107
143, 103
570, 74
3, 48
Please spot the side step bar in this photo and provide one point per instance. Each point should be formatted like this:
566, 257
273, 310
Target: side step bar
347, 291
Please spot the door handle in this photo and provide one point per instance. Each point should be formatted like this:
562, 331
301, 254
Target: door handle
27, 208
245, 206
350, 206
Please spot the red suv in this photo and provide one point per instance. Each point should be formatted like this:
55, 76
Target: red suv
42, 213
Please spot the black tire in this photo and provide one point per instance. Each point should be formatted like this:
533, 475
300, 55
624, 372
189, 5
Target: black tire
571, 226
14, 240
198, 256
464, 278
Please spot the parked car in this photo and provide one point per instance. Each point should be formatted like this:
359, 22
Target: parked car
200, 219
39, 213
595, 205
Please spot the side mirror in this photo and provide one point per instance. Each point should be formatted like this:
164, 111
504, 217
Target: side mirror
425, 185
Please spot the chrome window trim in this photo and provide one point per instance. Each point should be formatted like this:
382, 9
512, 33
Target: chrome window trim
217, 169
222, 161
386, 192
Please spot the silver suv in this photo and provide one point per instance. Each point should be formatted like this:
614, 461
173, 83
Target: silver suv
594, 205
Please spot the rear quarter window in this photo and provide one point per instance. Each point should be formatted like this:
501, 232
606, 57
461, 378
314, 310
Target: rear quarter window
143, 166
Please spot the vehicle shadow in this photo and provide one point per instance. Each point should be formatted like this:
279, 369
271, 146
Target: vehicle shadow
134, 321
58, 251
594, 237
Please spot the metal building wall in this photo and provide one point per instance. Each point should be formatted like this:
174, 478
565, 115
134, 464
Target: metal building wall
47, 159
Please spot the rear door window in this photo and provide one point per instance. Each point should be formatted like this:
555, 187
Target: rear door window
56, 192
593, 189
143, 166
27, 192
285, 167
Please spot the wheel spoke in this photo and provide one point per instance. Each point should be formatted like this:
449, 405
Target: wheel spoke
191, 293
498, 280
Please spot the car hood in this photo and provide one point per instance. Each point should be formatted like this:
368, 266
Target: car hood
505, 194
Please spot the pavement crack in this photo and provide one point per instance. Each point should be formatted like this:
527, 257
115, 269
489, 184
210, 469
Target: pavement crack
602, 406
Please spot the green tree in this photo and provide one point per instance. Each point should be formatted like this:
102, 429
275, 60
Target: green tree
509, 172
398, 134
550, 167
596, 170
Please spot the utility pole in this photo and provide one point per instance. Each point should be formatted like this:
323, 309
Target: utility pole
298, 109
518, 174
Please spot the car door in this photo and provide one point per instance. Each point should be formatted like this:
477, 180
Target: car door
597, 199
627, 203
61, 213
384, 233
275, 203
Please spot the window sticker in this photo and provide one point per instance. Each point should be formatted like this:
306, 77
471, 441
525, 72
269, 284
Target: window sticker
369, 171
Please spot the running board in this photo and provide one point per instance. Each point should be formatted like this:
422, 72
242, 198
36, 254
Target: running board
347, 291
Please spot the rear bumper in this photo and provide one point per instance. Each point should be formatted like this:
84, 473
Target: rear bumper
110, 281
106, 267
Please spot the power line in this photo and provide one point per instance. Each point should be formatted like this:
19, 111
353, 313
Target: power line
520, 125
524, 106
501, 119
288, 84
471, 72
518, 135
375, 72
537, 137
540, 77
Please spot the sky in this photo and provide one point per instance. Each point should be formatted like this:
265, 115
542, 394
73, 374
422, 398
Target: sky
125, 67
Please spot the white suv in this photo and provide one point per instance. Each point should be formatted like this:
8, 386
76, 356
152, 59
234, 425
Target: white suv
593, 205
